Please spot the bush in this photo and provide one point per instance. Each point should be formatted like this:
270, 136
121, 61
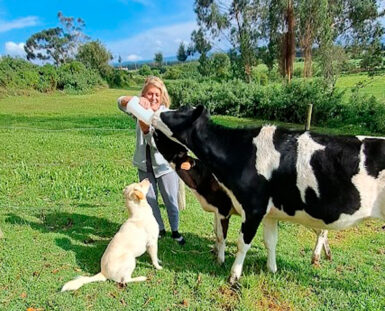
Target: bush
287, 102
283, 102
259, 75
172, 73
220, 66
120, 78
366, 112
18, 76
145, 70
17, 73
48, 78
75, 77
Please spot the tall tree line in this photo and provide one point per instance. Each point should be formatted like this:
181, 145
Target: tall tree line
283, 26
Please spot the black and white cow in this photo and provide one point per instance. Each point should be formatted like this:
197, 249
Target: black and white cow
213, 197
320, 181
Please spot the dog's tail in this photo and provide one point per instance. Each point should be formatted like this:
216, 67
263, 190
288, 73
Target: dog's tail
81, 280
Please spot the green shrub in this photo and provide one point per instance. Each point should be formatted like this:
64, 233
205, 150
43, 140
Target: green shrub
259, 75
75, 77
298, 72
120, 79
220, 66
145, 70
172, 73
364, 111
283, 102
48, 78
17, 73
18, 76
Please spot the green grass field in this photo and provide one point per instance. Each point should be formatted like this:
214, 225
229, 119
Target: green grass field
64, 161
371, 85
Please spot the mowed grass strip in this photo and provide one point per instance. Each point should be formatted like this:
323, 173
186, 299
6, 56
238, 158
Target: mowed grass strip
64, 161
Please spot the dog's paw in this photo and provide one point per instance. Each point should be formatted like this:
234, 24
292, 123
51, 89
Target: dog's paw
157, 267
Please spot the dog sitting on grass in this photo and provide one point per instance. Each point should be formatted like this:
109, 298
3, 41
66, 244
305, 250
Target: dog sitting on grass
138, 234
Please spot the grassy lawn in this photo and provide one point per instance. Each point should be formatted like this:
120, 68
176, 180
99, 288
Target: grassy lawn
64, 161
372, 85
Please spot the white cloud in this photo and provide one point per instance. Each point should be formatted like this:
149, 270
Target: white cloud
14, 49
133, 57
161, 39
18, 23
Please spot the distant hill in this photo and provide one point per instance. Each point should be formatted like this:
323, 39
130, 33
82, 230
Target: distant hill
169, 60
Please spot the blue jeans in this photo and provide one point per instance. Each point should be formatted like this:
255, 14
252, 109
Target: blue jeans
168, 185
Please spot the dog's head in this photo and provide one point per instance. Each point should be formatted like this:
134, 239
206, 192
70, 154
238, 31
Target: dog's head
137, 192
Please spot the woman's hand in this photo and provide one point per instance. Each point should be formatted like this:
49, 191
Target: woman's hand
124, 101
145, 103
144, 127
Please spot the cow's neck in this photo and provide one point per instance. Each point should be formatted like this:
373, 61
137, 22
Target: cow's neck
208, 146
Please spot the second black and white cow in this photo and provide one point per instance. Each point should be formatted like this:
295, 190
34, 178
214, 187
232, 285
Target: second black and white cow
321, 181
214, 198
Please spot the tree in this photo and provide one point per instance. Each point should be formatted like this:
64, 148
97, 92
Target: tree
309, 21
355, 21
182, 53
158, 59
95, 56
73, 28
323, 21
220, 66
238, 22
278, 28
372, 59
202, 46
57, 44
49, 44
288, 42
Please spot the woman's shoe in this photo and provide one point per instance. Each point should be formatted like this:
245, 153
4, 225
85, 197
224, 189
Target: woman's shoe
178, 237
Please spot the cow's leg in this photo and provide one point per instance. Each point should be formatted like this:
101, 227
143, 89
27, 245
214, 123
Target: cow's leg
248, 230
221, 226
218, 235
322, 243
328, 252
270, 238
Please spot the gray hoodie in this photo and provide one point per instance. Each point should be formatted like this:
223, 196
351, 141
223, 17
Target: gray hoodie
159, 164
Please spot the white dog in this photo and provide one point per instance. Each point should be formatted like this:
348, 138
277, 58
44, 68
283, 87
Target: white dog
138, 234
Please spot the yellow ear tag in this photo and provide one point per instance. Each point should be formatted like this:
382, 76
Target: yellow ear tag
139, 194
185, 166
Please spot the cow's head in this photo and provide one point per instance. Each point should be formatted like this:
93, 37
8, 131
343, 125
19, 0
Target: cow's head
179, 124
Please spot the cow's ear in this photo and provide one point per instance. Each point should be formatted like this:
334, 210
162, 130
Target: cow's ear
198, 112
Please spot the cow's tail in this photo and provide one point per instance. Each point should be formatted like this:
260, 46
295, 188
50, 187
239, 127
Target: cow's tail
181, 195
80, 281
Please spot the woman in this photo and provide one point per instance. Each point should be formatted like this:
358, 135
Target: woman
150, 162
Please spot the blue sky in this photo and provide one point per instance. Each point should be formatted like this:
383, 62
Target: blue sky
133, 29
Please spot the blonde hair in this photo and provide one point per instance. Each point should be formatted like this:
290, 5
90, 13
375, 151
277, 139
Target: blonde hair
158, 83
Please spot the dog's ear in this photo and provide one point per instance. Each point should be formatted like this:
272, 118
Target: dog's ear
136, 194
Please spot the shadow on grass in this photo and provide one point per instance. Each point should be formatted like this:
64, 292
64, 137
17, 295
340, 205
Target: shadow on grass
88, 237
